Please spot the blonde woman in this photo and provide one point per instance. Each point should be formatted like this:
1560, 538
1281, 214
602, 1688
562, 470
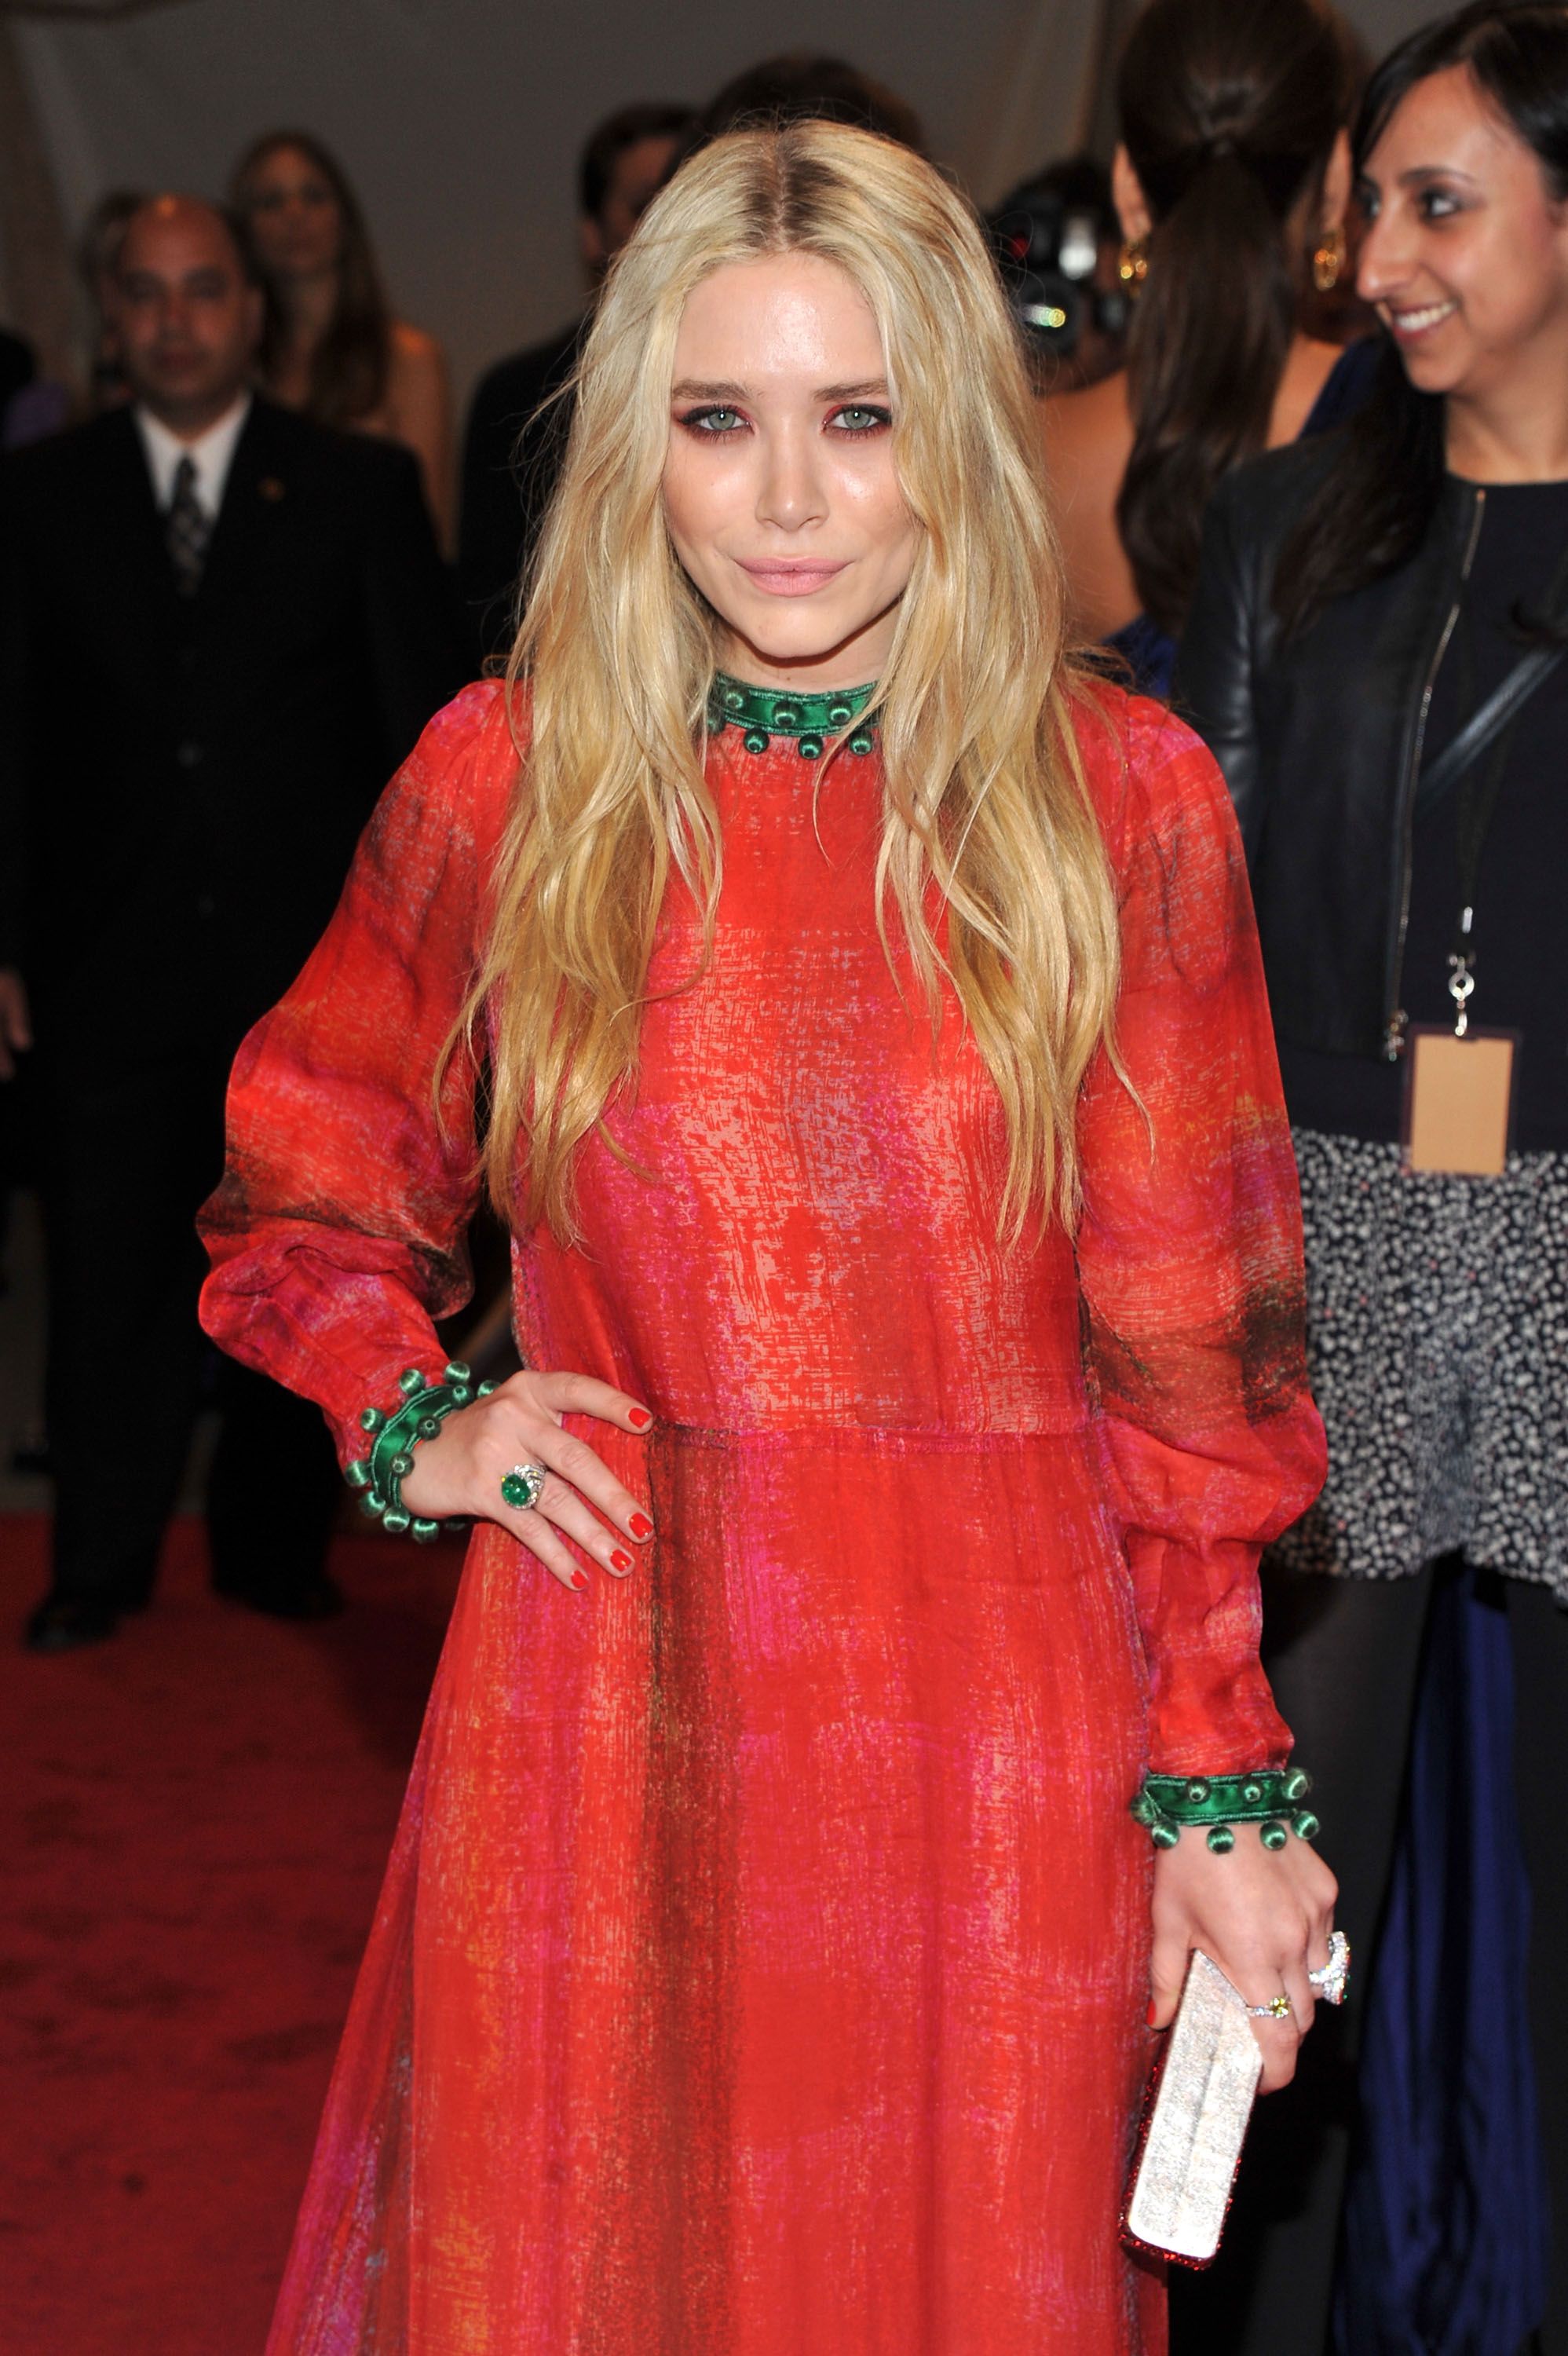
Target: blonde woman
876, 1075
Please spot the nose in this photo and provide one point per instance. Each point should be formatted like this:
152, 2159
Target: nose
1387, 259
791, 494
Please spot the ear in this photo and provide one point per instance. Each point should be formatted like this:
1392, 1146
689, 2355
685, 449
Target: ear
1336, 201
591, 246
1127, 195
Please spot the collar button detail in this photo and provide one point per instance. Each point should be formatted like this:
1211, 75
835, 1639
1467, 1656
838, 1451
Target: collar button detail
761, 714
764, 715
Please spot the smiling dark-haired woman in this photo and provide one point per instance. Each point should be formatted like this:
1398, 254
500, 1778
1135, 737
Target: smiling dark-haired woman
1375, 654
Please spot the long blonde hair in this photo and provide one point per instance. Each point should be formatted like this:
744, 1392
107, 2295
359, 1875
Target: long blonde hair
984, 794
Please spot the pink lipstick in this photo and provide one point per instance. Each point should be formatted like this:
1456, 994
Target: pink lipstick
791, 577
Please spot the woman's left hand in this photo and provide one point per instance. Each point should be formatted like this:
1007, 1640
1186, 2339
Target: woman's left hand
1262, 1915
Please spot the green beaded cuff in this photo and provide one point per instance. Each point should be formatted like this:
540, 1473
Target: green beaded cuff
379, 1476
1269, 1797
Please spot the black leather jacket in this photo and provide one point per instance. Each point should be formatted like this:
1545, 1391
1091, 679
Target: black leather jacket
1320, 741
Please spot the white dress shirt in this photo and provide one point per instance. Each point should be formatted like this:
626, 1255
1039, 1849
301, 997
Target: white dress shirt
212, 454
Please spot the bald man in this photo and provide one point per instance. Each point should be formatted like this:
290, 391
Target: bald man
221, 627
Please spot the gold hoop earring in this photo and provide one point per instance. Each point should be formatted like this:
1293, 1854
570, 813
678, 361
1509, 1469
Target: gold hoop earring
1328, 261
1132, 269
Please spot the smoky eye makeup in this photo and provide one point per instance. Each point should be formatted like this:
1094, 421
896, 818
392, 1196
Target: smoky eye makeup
712, 420
851, 421
1433, 194
857, 419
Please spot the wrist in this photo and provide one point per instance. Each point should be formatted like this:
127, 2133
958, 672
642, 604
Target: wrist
1271, 1797
378, 1476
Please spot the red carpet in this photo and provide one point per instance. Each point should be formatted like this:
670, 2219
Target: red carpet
194, 1820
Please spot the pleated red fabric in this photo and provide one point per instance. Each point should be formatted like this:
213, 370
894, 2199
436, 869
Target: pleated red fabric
762, 1965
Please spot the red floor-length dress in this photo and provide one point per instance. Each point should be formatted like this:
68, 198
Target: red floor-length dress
762, 1966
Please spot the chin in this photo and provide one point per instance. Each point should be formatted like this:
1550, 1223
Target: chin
1428, 372
185, 392
799, 639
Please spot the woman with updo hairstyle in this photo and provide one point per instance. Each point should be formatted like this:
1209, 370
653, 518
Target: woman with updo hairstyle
851, 1720
332, 344
1230, 179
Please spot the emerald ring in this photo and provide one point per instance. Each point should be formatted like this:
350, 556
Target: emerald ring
521, 1486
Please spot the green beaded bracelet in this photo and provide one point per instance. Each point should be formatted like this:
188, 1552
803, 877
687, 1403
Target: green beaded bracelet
1268, 1796
379, 1476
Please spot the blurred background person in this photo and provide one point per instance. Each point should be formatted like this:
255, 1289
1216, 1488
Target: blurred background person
1058, 239
30, 405
802, 86
332, 345
1361, 603
261, 612
1231, 180
516, 432
97, 253
18, 367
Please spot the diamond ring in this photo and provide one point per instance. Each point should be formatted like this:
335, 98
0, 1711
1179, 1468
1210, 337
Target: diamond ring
1330, 1978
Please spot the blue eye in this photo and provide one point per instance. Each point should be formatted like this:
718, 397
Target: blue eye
860, 417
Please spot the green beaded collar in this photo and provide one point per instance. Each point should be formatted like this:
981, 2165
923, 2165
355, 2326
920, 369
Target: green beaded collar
763, 714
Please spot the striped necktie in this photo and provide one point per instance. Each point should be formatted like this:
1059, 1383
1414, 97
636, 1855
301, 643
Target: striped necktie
187, 531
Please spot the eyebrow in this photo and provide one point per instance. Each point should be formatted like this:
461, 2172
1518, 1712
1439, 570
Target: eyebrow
1419, 174
691, 389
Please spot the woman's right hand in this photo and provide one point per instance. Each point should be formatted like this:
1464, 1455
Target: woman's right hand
460, 1472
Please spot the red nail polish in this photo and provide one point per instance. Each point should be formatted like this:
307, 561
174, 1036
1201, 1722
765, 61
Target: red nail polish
640, 1526
1153, 2011
639, 1419
580, 1579
620, 1562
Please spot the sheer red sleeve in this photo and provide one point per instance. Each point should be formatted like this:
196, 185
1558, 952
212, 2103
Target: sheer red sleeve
1190, 1250
339, 1229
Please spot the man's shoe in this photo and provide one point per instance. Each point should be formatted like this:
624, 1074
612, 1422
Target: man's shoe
316, 1598
63, 1623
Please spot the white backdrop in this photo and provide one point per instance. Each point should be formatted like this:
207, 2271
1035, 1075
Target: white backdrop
459, 121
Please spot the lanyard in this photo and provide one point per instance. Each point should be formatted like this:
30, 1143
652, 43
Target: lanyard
1480, 789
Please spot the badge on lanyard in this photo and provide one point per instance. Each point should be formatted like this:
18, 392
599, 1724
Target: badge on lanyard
1459, 1099
1459, 1083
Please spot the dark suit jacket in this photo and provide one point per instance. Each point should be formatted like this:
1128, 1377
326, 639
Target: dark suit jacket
184, 779
18, 367
511, 457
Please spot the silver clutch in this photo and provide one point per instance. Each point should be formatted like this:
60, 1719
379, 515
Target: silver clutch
1196, 2121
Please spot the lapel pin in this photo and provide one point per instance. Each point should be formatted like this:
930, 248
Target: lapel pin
270, 488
